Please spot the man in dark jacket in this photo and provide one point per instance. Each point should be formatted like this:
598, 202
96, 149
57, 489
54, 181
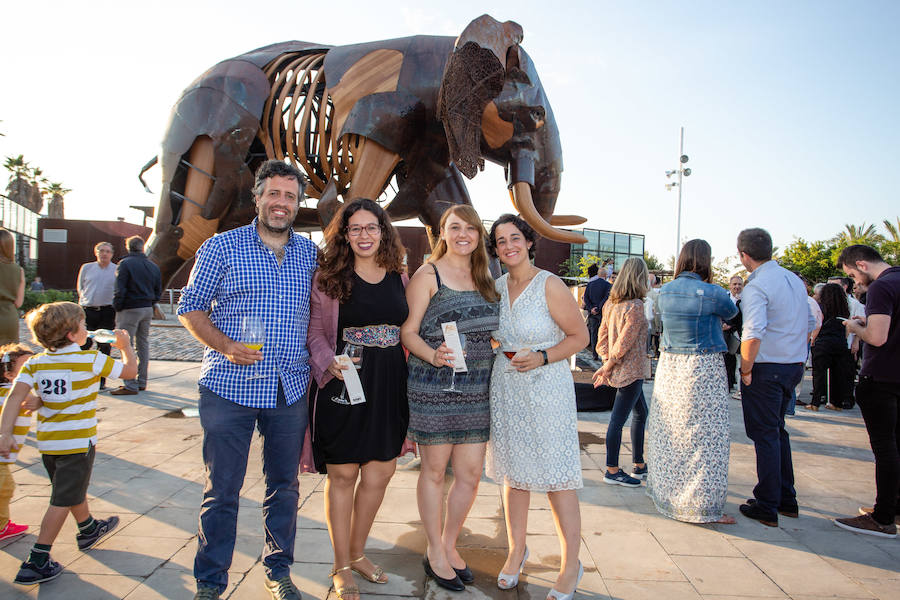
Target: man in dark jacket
594, 298
138, 287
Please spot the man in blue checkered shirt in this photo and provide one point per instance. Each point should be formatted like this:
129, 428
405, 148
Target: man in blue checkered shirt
263, 272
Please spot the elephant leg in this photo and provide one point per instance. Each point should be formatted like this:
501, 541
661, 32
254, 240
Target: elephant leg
449, 191
371, 173
198, 184
328, 204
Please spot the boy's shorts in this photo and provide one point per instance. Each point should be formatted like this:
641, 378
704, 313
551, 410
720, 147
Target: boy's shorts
70, 475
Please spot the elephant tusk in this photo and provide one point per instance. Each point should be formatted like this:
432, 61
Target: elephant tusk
567, 220
522, 200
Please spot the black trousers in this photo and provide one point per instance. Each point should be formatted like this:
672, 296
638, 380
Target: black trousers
593, 325
836, 360
880, 406
730, 366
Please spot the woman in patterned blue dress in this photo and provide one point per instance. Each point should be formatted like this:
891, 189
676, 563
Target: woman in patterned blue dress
688, 431
534, 421
454, 285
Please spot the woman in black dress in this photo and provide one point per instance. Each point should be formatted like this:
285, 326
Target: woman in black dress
830, 352
357, 298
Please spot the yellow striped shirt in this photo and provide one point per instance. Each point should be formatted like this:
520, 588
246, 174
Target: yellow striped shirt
67, 381
20, 429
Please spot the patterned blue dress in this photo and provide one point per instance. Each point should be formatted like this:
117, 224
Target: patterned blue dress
439, 417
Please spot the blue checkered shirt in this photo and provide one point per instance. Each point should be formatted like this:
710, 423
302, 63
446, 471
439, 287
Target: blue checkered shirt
235, 275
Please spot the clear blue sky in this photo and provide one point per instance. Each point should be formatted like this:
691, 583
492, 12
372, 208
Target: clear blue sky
790, 108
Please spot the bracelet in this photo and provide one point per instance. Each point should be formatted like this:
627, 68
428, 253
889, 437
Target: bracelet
746, 374
544, 353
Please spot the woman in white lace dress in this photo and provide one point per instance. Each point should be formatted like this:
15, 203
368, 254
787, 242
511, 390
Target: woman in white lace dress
534, 435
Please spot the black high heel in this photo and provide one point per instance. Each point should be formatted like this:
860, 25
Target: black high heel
454, 585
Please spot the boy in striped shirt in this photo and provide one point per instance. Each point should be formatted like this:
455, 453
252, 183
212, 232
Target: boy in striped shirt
66, 379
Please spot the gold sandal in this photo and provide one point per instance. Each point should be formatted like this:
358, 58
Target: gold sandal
341, 591
375, 577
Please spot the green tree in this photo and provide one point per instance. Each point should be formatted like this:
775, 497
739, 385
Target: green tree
890, 248
857, 234
55, 208
725, 268
813, 260
653, 263
579, 267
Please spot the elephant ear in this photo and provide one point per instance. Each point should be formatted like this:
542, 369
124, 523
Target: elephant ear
474, 76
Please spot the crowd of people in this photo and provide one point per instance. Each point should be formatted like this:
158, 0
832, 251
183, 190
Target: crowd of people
342, 363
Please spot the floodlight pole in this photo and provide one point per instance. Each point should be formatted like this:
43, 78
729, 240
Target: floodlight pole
680, 179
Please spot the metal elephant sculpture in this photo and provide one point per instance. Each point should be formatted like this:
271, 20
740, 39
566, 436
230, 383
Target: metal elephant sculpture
409, 113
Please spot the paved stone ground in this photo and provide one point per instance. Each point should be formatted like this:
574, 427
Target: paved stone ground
168, 340
149, 471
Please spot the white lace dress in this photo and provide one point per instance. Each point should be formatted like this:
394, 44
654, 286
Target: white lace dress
534, 420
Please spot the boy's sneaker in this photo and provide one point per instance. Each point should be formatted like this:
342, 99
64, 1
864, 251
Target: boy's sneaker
867, 525
12, 530
30, 573
86, 541
639, 472
621, 478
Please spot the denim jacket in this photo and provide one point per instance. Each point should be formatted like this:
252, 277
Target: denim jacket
692, 314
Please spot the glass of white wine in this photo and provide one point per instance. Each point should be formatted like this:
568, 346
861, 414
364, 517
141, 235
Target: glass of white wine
253, 335
355, 353
452, 388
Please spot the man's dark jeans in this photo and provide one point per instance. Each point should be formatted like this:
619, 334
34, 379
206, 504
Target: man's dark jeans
627, 398
593, 325
879, 402
227, 432
765, 401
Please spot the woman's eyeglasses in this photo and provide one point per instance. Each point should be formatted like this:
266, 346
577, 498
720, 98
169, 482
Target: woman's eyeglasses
356, 230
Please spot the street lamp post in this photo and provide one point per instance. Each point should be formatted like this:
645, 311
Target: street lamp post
682, 172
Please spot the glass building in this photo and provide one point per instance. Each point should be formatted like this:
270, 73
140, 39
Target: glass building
616, 245
23, 222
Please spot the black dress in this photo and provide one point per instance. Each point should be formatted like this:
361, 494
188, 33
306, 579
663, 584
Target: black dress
375, 429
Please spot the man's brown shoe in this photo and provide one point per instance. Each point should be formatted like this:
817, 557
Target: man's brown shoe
123, 391
868, 510
867, 525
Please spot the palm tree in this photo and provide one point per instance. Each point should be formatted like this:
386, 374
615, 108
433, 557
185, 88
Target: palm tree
857, 234
893, 230
56, 208
18, 188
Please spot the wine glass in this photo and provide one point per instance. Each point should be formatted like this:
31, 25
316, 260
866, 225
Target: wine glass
253, 336
452, 388
354, 351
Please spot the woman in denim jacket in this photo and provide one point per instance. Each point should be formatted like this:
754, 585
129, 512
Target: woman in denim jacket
688, 430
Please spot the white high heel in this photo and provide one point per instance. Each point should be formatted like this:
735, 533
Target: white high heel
554, 595
511, 580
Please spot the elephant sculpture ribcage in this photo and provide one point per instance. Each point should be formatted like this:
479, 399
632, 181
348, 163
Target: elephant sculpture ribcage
300, 122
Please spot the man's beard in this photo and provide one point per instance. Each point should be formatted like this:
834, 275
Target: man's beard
276, 230
866, 278
273, 229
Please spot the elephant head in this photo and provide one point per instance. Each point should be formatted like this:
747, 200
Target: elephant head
493, 106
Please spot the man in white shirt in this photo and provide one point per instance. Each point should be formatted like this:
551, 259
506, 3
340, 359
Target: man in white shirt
777, 322
96, 286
